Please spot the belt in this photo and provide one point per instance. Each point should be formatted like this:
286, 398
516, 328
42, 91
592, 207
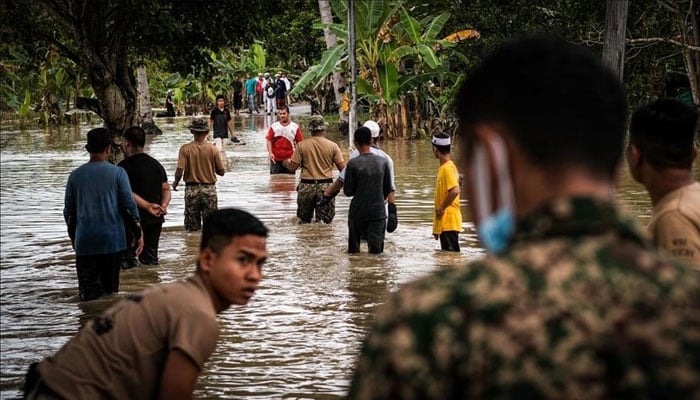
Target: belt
327, 180
197, 184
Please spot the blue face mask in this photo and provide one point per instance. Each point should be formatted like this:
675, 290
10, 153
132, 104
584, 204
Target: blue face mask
495, 227
495, 231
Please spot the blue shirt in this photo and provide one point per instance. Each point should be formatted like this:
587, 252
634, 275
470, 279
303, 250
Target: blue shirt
96, 193
250, 85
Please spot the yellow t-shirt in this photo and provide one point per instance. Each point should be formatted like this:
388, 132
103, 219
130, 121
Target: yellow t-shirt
675, 224
447, 178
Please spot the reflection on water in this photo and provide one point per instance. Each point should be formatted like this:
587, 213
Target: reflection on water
298, 336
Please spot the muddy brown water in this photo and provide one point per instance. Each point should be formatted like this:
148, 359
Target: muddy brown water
298, 337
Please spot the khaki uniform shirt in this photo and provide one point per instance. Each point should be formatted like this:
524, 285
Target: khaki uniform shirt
199, 162
120, 354
675, 224
316, 156
578, 307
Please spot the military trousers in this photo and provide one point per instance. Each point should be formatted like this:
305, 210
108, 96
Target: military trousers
307, 196
200, 201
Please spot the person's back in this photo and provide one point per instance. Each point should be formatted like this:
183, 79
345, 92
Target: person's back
570, 301
660, 155
97, 197
317, 156
364, 180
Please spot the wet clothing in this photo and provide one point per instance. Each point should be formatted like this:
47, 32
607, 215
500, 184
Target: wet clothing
237, 99
579, 306
379, 152
250, 85
96, 194
316, 156
200, 201
449, 241
675, 224
97, 202
308, 193
451, 221
170, 109
278, 167
97, 275
283, 139
121, 353
146, 177
220, 120
199, 162
367, 179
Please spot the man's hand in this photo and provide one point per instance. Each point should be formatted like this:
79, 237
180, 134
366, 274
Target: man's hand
163, 209
439, 212
139, 246
272, 157
436, 236
155, 210
323, 200
174, 185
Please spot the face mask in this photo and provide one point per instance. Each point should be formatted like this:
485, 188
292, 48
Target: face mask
495, 229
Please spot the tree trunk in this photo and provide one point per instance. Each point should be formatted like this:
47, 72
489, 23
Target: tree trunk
145, 111
327, 18
691, 58
614, 45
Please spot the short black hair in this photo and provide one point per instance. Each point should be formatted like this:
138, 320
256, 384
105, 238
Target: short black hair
220, 96
226, 223
442, 149
555, 99
283, 107
136, 136
363, 136
664, 131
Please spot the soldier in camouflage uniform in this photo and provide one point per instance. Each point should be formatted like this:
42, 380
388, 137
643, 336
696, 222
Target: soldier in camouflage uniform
316, 156
199, 163
571, 301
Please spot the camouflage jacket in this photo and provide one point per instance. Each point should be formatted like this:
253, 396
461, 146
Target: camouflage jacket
578, 307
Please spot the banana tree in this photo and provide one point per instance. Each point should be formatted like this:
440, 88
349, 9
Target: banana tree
396, 55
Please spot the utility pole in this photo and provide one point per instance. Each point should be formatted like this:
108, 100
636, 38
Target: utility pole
353, 73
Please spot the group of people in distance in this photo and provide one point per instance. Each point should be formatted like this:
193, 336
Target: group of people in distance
570, 301
266, 90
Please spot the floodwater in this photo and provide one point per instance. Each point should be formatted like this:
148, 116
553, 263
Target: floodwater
298, 337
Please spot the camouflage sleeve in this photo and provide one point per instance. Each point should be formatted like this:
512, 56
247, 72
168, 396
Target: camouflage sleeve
408, 353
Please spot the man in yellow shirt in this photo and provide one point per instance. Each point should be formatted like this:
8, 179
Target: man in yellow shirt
660, 155
447, 221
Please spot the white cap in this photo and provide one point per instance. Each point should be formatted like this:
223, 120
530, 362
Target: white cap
373, 127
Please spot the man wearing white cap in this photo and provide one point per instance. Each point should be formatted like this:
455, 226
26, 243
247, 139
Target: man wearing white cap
334, 189
447, 220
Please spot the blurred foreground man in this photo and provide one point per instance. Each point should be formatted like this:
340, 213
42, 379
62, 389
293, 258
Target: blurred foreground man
570, 302
660, 156
154, 345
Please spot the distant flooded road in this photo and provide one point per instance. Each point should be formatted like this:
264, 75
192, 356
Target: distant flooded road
298, 337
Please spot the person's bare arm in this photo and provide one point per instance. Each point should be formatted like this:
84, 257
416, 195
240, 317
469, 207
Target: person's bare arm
452, 194
178, 176
269, 150
179, 377
290, 165
165, 196
334, 188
